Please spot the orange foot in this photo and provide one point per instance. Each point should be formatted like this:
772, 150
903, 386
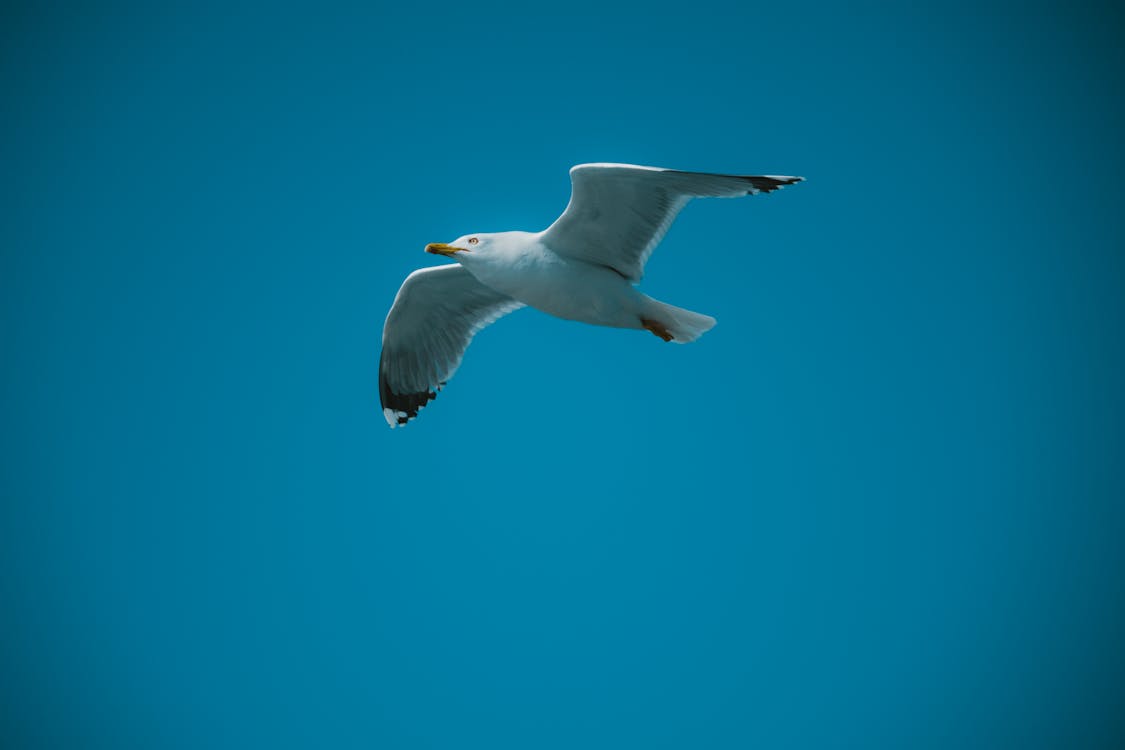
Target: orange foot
656, 328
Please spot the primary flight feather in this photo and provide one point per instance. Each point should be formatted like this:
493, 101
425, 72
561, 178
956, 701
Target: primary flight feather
583, 267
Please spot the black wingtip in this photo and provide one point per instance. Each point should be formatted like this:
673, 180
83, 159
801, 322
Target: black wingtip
401, 407
767, 183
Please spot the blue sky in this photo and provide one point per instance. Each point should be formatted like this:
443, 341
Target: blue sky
879, 505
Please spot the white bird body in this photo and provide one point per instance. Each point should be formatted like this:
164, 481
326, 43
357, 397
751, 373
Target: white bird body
582, 267
522, 266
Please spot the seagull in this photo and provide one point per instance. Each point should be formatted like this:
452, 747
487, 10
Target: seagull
583, 267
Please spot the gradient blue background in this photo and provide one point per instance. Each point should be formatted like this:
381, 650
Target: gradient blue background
880, 505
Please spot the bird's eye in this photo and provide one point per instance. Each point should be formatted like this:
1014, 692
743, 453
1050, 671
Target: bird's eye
473, 240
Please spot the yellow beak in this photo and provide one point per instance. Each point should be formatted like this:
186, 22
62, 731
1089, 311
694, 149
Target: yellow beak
440, 248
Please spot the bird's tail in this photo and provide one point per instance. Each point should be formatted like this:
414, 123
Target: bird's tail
683, 325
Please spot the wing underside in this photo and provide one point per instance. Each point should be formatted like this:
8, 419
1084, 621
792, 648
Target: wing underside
618, 213
433, 319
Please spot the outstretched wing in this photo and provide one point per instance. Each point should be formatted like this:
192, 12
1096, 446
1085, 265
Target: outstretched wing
435, 315
618, 213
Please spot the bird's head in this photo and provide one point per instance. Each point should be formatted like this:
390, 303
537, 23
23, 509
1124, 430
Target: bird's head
470, 243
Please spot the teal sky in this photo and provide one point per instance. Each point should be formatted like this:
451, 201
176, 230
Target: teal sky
879, 505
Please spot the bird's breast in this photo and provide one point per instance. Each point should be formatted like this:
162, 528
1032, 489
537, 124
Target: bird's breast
566, 288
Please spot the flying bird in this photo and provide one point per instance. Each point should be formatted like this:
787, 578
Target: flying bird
583, 267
